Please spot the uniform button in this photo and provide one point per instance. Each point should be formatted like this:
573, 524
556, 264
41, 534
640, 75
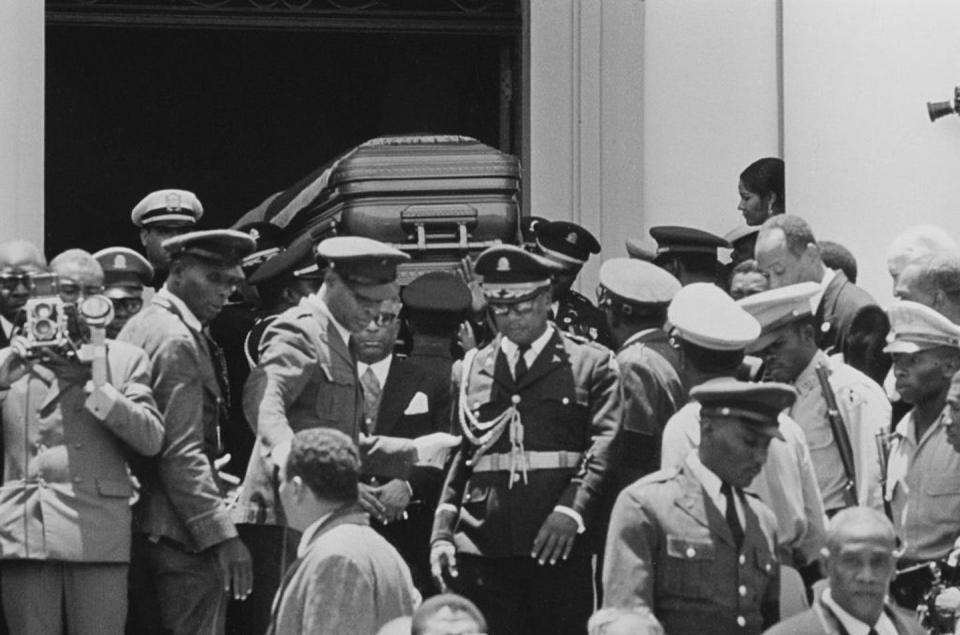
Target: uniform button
515, 399
565, 400
743, 559
743, 591
691, 552
77, 479
768, 567
741, 621
516, 477
476, 405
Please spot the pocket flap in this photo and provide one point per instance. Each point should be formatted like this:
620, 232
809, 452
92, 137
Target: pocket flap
690, 548
475, 493
942, 485
114, 489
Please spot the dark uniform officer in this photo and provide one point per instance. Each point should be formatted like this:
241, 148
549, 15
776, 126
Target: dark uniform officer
161, 215
687, 542
569, 246
539, 409
635, 296
435, 305
125, 274
689, 254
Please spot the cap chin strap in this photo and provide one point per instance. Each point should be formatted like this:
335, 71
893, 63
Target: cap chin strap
491, 430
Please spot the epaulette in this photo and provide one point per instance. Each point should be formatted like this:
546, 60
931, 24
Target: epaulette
660, 476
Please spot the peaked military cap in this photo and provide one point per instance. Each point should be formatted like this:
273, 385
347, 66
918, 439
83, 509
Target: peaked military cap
364, 262
630, 286
437, 291
225, 247
741, 232
673, 239
778, 307
567, 244
167, 207
297, 261
916, 327
512, 274
636, 248
757, 404
270, 240
705, 315
125, 272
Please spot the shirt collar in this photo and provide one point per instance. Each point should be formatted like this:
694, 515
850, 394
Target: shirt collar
309, 533
319, 300
380, 368
828, 276
852, 625
710, 481
191, 320
7, 327
907, 428
510, 347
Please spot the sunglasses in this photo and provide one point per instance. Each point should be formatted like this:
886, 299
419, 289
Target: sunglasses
11, 282
517, 308
128, 305
383, 319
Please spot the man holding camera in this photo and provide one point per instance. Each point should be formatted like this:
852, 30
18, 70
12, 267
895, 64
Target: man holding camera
186, 552
65, 500
18, 259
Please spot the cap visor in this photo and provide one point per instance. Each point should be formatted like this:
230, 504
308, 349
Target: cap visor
905, 346
762, 342
116, 293
380, 292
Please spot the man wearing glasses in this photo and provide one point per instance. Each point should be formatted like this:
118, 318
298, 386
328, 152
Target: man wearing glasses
18, 259
125, 274
307, 377
540, 409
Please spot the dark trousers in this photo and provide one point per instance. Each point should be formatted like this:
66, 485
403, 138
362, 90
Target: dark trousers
81, 598
520, 597
273, 548
174, 591
411, 538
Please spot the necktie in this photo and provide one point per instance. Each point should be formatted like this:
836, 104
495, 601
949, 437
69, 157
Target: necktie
219, 366
732, 519
371, 398
872, 631
521, 367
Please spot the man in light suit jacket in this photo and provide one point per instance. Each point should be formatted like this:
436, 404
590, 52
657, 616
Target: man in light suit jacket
859, 561
186, 551
347, 578
65, 500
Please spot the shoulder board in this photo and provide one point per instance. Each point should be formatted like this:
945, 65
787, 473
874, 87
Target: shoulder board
660, 476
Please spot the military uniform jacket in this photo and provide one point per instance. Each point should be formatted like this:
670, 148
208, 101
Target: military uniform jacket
307, 378
578, 316
66, 489
851, 323
181, 498
652, 392
669, 549
568, 401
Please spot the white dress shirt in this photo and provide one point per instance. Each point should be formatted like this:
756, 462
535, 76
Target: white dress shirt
853, 626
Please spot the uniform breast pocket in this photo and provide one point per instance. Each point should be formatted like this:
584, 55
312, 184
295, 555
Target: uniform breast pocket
943, 494
335, 395
688, 566
819, 438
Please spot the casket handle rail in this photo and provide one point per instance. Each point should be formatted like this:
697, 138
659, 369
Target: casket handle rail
444, 226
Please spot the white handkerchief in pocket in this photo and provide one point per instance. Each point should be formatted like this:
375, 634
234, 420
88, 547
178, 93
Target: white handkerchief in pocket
418, 405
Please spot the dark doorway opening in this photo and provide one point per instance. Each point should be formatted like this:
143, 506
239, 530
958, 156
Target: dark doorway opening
236, 115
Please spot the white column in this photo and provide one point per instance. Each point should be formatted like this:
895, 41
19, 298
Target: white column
21, 119
585, 125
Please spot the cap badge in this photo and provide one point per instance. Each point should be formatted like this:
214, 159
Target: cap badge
120, 262
255, 234
572, 238
173, 201
503, 264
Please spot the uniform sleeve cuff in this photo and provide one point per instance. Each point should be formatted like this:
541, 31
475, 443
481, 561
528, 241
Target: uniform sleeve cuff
567, 511
101, 400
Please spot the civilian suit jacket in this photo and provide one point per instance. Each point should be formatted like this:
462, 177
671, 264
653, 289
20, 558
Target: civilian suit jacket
569, 401
350, 581
306, 378
181, 498
850, 322
670, 549
818, 620
66, 489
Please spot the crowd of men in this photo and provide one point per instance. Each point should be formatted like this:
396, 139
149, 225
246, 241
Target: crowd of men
707, 449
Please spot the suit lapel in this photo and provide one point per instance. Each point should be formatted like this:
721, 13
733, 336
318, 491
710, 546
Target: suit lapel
698, 506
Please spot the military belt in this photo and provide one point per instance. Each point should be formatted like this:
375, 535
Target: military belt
535, 461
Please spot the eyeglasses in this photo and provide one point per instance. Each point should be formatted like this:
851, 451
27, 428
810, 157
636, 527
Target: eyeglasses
10, 282
383, 319
127, 305
517, 308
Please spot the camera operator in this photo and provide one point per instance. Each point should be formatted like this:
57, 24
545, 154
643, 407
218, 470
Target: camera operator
65, 501
18, 259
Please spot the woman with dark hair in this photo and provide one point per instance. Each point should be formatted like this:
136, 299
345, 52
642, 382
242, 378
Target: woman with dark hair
761, 190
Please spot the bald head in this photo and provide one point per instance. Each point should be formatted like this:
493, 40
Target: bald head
21, 253
934, 282
914, 244
79, 266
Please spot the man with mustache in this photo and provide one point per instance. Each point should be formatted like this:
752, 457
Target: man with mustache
687, 542
788, 347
